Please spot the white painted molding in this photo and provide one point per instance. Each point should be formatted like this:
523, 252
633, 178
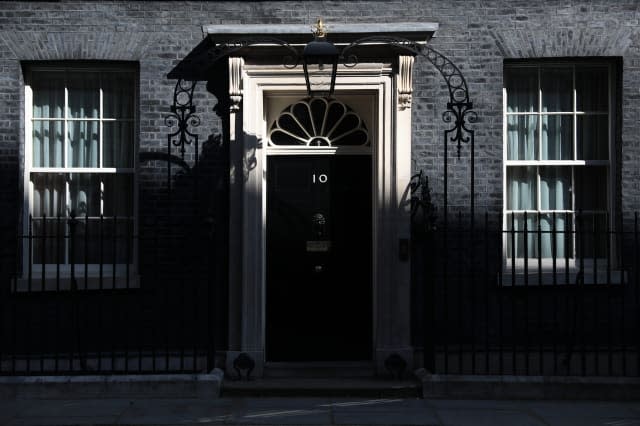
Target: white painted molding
405, 81
235, 82
371, 90
417, 32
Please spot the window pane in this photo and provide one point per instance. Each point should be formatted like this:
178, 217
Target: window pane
84, 190
118, 195
47, 143
48, 94
521, 188
84, 94
557, 89
82, 150
118, 144
593, 137
522, 137
91, 95
557, 137
519, 242
592, 89
522, 89
48, 240
48, 194
555, 188
118, 94
561, 235
591, 188
87, 244
592, 234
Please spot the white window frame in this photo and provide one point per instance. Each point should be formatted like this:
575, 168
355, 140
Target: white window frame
514, 271
110, 275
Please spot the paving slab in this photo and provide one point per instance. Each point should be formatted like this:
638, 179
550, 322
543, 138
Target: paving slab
483, 417
481, 404
590, 421
593, 409
9, 409
587, 413
386, 416
280, 402
317, 411
281, 410
305, 416
175, 411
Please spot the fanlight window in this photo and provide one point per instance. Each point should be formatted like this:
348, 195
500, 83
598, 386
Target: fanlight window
318, 122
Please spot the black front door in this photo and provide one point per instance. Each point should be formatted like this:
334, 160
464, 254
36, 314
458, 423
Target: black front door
319, 296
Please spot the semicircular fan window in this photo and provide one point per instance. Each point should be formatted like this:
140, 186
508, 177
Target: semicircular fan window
318, 122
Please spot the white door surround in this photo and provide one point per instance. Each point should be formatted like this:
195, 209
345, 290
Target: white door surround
380, 92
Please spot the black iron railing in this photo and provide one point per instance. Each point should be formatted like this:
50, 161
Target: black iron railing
108, 295
529, 294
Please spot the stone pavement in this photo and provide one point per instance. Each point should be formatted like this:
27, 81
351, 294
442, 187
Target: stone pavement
317, 411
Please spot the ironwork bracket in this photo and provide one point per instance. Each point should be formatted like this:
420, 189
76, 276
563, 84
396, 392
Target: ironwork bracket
459, 110
182, 116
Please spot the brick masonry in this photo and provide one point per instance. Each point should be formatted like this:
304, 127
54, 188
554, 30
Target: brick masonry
477, 35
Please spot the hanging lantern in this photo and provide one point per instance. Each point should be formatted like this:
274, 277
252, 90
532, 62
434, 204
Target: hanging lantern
320, 62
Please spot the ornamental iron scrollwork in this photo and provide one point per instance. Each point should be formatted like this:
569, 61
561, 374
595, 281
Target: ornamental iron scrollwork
223, 50
182, 116
459, 110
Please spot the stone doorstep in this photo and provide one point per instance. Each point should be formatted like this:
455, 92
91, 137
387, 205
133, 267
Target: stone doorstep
322, 387
528, 387
183, 386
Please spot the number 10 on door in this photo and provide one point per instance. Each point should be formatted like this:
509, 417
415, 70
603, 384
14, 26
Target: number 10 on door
321, 178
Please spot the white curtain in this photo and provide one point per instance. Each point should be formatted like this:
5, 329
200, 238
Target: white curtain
48, 103
555, 194
522, 137
92, 193
557, 137
555, 126
48, 201
522, 195
118, 144
522, 90
593, 137
84, 95
47, 143
82, 143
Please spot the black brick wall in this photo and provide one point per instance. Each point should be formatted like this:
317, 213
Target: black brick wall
476, 35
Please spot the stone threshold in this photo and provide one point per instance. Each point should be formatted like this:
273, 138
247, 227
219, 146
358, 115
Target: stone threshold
322, 387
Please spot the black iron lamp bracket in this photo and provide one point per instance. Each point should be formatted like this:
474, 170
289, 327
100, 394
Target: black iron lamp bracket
183, 116
459, 110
